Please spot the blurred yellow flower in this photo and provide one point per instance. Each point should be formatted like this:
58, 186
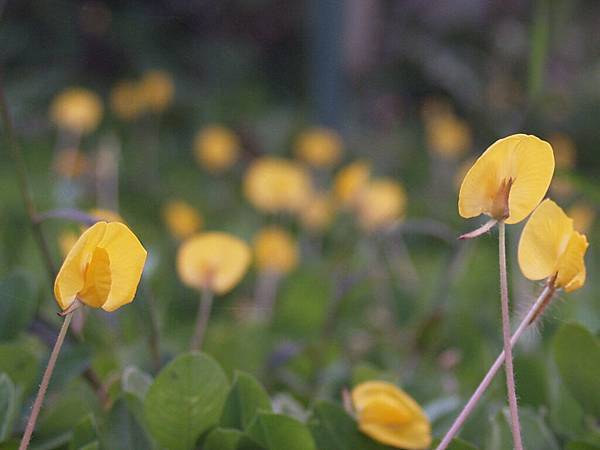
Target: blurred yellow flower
550, 247
508, 180
448, 135
319, 147
66, 241
277, 185
181, 218
103, 268
216, 148
126, 100
214, 260
390, 416
349, 181
275, 250
583, 216
76, 109
106, 215
564, 151
70, 163
381, 203
318, 213
157, 90
562, 187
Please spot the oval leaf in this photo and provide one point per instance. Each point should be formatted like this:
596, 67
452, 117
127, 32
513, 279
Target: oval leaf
245, 399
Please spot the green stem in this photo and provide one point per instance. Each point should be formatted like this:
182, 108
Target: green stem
508, 364
39, 399
204, 310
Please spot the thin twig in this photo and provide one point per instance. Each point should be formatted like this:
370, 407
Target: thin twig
204, 310
71, 214
515, 425
39, 399
533, 313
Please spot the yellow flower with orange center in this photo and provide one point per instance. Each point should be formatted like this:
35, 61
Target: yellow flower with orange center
156, 89
181, 218
275, 250
380, 204
102, 269
319, 147
216, 148
77, 110
277, 185
390, 416
551, 248
349, 181
508, 180
214, 260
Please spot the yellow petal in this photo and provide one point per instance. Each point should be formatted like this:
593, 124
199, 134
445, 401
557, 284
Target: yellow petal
319, 147
216, 148
362, 394
76, 109
182, 219
97, 279
525, 160
380, 203
127, 257
571, 266
275, 250
71, 276
214, 260
545, 237
415, 436
349, 181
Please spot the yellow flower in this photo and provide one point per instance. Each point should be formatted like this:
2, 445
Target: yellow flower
157, 90
349, 181
182, 219
214, 260
390, 416
564, 151
275, 250
318, 213
583, 216
508, 180
550, 247
277, 185
78, 110
319, 147
380, 204
106, 215
70, 163
126, 100
103, 268
448, 136
216, 148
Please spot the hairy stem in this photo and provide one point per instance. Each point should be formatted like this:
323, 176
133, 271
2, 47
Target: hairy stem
515, 425
529, 318
204, 310
39, 399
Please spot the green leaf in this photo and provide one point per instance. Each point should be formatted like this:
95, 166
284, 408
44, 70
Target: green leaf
85, 434
456, 444
577, 355
333, 429
17, 304
122, 429
245, 399
276, 432
19, 361
581, 446
227, 439
9, 406
185, 400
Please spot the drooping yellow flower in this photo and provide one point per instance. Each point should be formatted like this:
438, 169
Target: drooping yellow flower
583, 216
390, 416
319, 147
380, 203
213, 260
182, 219
70, 163
157, 90
565, 153
78, 110
275, 250
318, 213
126, 100
106, 215
349, 181
448, 135
550, 247
277, 185
216, 148
508, 180
103, 268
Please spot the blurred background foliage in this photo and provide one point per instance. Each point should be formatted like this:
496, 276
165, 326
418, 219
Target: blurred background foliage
413, 306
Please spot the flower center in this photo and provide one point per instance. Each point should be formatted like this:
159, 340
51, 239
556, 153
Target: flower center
500, 210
